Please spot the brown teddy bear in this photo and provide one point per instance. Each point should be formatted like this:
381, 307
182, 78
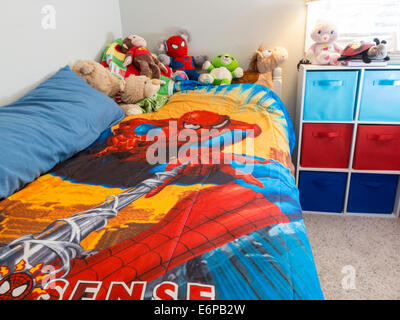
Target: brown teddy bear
138, 55
136, 88
97, 77
126, 92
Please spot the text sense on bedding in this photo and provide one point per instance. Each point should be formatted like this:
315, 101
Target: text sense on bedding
131, 217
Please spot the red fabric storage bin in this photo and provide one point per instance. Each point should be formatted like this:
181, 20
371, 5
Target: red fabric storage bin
377, 147
326, 145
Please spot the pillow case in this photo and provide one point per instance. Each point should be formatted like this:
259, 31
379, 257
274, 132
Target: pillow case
54, 121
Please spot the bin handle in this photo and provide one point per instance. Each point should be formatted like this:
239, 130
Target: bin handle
373, 185
322, 183
332, 134
386, 82
381, 137
328, 83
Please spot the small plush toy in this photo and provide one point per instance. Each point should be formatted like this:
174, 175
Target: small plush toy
153, 103
221, 70
138, 55
379, 52
98, 77
357, 50
262, 64
138, 94
179, 76
173, 52
127, 93
325, 50
365, 51
113, 58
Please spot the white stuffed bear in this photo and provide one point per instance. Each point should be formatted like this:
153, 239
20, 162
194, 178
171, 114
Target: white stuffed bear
324, 50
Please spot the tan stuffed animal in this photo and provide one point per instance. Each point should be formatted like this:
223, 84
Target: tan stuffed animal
262, 64
97, 77
135, 88
126, 92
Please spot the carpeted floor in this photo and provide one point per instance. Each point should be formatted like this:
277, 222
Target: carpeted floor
370, 246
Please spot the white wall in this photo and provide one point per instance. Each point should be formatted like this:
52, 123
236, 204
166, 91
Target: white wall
233, 26
29, 54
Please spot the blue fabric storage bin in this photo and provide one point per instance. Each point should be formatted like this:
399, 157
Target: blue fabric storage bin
322, 191
330, 96
380, 96
372, 193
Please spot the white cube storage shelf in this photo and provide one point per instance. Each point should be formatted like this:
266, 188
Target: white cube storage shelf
348, 150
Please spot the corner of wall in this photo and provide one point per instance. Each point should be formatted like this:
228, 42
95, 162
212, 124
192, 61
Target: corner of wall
118, 6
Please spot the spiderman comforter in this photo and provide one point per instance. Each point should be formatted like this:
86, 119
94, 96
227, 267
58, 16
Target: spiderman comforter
196, 201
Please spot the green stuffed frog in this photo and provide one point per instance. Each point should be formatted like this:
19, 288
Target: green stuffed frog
221, 70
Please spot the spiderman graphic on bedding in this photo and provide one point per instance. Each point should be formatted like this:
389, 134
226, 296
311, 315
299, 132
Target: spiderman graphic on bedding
198, 223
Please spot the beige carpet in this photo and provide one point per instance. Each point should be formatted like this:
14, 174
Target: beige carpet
370, 246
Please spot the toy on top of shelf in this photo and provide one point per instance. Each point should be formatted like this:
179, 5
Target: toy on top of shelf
357, 50
262, 64
221, 70
138, 55
367, 52
173, 52
325, 50
379, 52
302, 61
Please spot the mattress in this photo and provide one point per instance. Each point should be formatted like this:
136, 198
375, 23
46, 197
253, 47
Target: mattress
194, 202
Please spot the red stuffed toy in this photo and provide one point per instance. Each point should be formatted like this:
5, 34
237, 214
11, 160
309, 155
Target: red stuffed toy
174, 53
140, 57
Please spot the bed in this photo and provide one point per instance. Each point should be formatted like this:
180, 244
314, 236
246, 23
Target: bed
196, 201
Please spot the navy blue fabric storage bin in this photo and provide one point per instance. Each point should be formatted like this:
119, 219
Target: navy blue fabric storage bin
380, 96
330, 96
322, 191
372, 193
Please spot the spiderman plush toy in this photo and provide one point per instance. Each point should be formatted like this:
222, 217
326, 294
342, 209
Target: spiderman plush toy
174, 53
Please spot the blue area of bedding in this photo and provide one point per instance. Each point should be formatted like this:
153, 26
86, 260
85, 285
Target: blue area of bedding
59, 118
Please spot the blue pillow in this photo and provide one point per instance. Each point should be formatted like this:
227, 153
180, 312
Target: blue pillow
59, 118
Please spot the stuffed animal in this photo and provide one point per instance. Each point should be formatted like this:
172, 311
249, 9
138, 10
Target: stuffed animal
138, 55
113, 58
98, 77
325, 50
140, 91
262, 64
126, 92
173, 52
365, 51
153, 103
221, 70
179, 76
378, 52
